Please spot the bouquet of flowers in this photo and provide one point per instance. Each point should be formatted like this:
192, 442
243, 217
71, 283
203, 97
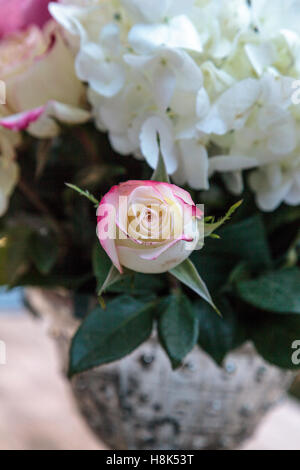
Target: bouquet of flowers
147, 123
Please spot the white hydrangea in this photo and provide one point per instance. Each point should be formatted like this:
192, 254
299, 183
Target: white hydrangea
197, 73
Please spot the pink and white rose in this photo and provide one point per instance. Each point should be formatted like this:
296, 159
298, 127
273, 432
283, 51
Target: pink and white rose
37, 67
18, 15
148, 226
41, 86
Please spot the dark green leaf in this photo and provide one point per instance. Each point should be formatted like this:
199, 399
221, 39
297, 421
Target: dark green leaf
284, 216
218, 336
101, 264
110, 334
138, 284
274, 337
213, 267
245, 240
241, 272
82, 305
277, 292
43, 251
178, 328
242, 242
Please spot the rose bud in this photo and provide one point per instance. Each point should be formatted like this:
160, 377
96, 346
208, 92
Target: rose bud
148, 226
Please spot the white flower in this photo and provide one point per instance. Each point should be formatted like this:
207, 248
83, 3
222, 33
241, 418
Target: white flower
195, 74
167, 70
268, 134
278, 182
178, 32
156, 11
231, 111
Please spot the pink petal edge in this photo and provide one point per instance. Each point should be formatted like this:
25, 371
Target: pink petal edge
21, 121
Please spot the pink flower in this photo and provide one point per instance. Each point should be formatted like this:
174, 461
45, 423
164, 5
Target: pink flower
37, 67
148, 226
17, 15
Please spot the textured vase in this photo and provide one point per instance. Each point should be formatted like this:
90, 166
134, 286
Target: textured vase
140, 403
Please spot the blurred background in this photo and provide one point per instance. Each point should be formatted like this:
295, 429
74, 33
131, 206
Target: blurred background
37, 409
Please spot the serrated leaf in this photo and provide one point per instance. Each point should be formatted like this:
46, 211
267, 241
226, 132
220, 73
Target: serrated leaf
188, 275
160, 174
210, 228
108, 335
178, 328
276, 292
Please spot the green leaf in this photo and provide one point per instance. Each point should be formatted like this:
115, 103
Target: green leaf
243, 242
273, 337
82, 304
101, 264
276, 292
113, 276
284, 216
213, 267
84, 193
188, 275
247, 240
210, 228
178, 328
43, 252
241, 272
218, 336
14, 254
110, 334
160, 174
138, 284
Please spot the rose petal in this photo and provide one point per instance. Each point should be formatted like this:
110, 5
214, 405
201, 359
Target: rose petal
20, 121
